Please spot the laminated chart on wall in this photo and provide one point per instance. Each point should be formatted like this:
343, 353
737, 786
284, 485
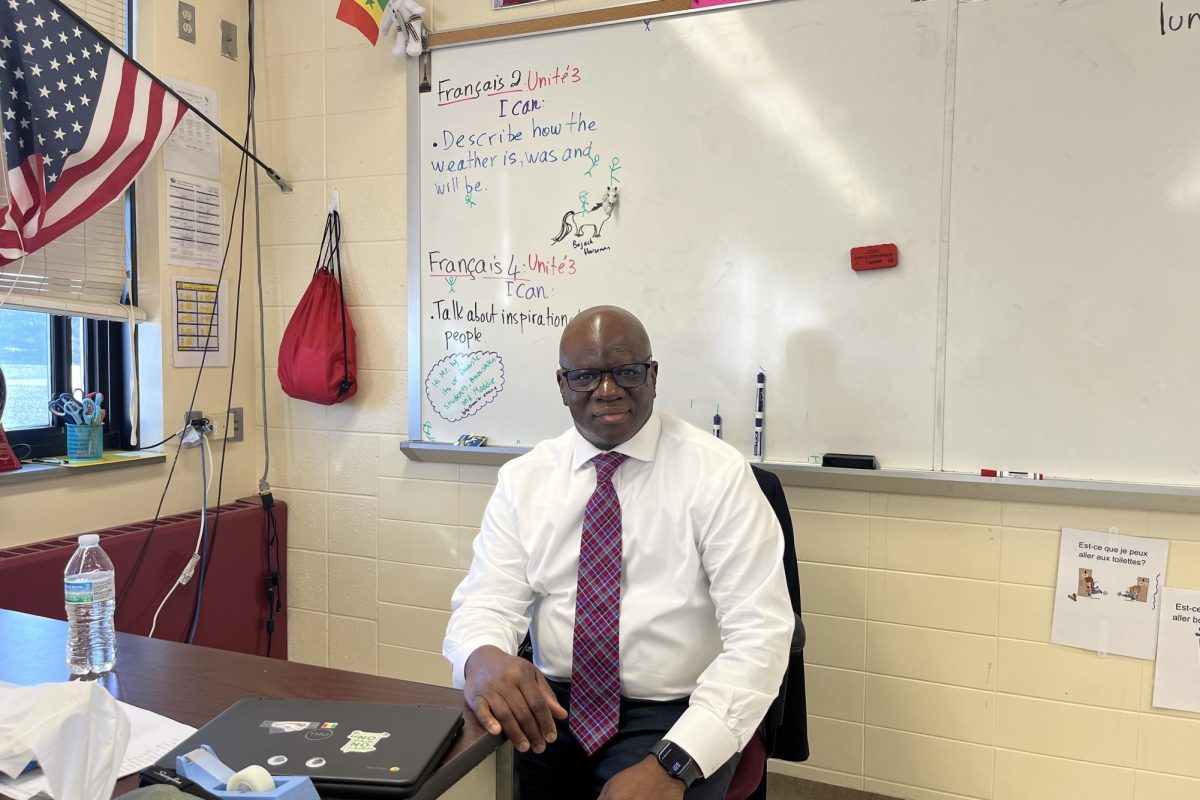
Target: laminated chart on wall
200, 331
193, 221
637, 164
1109, 592
1177, 667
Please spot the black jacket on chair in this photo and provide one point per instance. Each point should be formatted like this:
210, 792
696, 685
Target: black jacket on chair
786, 725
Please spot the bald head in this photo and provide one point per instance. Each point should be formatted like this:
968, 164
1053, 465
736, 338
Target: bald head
603, 323
600, 339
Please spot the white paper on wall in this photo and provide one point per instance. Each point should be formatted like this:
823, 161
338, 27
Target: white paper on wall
1109, 592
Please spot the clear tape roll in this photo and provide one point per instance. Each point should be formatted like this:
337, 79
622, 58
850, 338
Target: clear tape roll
252, 779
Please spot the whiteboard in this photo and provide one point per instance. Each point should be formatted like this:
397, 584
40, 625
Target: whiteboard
1073, 285
756, 146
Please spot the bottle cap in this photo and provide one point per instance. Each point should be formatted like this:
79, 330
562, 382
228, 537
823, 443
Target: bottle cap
88, 539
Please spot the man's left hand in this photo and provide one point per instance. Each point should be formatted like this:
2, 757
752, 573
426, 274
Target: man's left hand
645, 780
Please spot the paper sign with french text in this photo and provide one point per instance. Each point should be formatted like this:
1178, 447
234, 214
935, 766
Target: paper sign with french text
1109, 592
1177, 671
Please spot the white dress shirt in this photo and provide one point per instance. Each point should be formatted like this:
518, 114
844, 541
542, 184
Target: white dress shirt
705, 611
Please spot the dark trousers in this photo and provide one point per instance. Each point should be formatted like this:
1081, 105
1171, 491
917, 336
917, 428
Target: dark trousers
565, 772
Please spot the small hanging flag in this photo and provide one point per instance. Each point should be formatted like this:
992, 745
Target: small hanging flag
364, 15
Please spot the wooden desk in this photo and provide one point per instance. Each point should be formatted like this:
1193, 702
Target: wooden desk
193, 684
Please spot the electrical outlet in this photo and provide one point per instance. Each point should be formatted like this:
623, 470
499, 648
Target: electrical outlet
235, 432
187, 22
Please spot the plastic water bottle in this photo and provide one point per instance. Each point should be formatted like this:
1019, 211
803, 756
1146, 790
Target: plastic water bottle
89, 585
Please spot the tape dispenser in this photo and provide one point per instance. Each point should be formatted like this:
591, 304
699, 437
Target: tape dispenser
201, 773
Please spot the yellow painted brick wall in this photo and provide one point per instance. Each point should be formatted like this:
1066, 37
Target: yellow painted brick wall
930, 671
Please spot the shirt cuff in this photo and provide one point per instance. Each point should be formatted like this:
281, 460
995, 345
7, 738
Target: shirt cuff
703, 736
463, 654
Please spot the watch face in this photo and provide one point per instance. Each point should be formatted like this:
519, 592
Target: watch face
673, 759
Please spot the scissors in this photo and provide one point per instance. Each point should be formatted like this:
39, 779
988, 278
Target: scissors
82, 409
70, 407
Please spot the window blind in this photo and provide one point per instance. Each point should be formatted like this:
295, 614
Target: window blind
83, 272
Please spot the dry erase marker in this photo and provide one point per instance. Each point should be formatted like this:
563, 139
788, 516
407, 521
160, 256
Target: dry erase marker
717, 423
1012, 473
759, 408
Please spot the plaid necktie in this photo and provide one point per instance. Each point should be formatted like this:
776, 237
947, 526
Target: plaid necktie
596, 651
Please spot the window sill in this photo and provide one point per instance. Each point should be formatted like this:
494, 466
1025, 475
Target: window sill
40, 472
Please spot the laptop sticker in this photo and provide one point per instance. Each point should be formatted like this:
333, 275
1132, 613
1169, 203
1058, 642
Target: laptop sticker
328, 725
288, 726
318, 736
363, 741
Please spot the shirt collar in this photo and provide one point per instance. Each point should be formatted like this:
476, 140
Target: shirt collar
643, 446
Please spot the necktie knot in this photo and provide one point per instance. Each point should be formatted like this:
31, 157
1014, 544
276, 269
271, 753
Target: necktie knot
606, 465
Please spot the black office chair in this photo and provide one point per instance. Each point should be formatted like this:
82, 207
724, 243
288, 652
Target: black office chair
784, 731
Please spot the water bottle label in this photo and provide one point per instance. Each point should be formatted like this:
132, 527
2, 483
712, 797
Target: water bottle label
89, 590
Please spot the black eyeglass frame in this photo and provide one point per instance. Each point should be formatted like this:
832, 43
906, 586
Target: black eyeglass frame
646, 365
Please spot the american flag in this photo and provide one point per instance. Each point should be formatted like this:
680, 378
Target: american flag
79, 120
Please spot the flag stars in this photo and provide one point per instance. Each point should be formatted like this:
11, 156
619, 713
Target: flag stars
77, 33
5, 42
76, 127
36, 70
71, 58
39, 21
44, 92
41, 139
92, 74
27, 49
46, 43
12, 93
59, 133
78, 79
24, 123
54, 15
62, 86
13, 5
52, 113
10, 114
85, 100
54, 64
21, 26
85, 53
99, 49
19, 74
69, 106
62, 37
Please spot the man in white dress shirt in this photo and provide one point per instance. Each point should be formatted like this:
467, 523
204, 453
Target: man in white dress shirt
646, 564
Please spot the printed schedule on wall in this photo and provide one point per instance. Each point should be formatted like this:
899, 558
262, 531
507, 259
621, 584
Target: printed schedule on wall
716, 197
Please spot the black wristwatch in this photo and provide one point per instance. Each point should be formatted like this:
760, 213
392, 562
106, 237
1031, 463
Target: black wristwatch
678, 764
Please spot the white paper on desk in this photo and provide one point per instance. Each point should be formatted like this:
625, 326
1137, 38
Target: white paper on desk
150, 737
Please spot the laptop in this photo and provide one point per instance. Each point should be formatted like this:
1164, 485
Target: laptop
369, 750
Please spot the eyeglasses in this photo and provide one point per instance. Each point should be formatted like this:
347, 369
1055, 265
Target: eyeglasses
627, 376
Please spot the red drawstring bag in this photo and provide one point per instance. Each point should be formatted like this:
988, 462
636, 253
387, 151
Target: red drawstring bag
317, 354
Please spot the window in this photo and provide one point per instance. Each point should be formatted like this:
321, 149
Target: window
44, 355
61, 327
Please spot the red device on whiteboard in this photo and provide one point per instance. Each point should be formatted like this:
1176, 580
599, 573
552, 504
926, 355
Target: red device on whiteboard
875, 256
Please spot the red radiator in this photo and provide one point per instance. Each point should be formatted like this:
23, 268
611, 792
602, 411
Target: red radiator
234, 608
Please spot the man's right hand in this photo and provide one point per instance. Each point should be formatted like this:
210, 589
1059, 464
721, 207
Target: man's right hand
509, 694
